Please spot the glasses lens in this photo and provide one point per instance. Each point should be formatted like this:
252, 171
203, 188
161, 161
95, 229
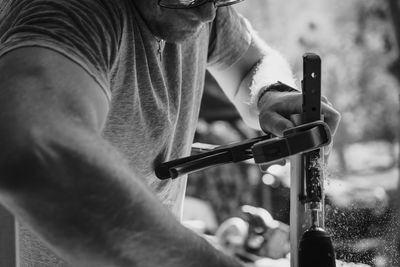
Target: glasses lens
194, 3
181, 3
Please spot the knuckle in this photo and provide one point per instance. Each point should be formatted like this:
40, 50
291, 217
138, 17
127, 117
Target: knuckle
337, 116
265, 119
266, 116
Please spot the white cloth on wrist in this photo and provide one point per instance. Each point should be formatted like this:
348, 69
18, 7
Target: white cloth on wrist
270, 69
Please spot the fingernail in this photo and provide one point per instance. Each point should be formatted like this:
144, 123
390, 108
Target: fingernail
327, 150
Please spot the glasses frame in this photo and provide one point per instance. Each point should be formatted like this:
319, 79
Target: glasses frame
196, 3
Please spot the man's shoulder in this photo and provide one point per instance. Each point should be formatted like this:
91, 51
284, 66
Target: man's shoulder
62, 15
73, 6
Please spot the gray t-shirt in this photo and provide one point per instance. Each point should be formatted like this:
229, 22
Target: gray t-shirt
154, 98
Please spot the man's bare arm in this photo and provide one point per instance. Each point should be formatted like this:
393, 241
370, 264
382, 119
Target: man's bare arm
231, 78
72, 188
274, 109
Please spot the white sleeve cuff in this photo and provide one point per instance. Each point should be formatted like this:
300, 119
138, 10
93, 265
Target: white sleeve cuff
270, 69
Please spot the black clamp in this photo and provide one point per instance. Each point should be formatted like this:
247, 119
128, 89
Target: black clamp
300, 139
220, 155
263, 149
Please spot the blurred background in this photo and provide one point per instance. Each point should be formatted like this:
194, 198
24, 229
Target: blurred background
358, 42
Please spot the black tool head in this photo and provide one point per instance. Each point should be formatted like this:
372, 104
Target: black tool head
316, 249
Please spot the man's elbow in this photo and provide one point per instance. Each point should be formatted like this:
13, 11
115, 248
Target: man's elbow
21, 159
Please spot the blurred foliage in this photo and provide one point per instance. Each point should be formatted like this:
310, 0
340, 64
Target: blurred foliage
358, 42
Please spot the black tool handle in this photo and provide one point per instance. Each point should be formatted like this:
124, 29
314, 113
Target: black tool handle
316, 249
162, 171
235, 152
200, 164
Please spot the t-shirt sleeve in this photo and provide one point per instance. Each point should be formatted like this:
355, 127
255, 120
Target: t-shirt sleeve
229, 39
85, 31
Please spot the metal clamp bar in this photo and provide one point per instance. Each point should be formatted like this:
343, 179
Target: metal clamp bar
200, 164
299, 139
296, 140
232, 153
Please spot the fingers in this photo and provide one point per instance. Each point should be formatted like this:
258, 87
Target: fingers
325, 100
277, 108
327, 151
285, 103
274, 123
331, 117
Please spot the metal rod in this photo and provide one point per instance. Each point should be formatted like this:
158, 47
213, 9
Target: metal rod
306, 176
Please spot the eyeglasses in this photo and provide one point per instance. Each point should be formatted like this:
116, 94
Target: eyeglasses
183, 4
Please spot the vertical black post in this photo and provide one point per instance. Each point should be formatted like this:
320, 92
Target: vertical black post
315, 247
312, 112
301, 165
311, 86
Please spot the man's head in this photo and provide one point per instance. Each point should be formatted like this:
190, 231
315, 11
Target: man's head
175, 22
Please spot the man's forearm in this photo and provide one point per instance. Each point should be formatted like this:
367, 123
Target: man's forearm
78, 194
260, 66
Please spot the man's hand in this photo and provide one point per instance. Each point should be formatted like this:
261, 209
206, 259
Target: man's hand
276, 109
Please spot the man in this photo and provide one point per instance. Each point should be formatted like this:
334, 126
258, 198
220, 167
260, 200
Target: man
94, 94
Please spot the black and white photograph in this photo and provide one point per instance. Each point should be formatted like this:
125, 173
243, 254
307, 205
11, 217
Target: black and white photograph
199, 133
